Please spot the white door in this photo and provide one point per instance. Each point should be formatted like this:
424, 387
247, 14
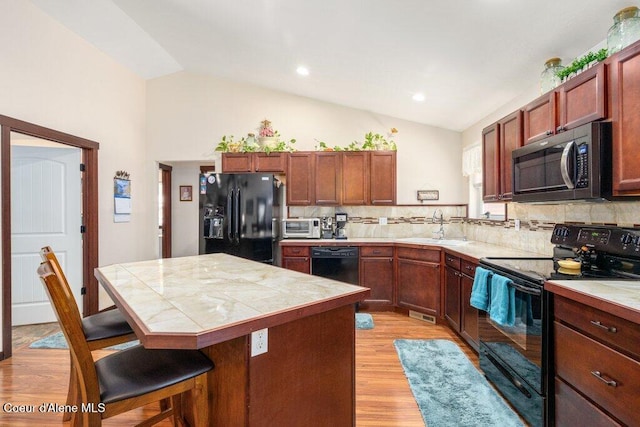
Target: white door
46, 210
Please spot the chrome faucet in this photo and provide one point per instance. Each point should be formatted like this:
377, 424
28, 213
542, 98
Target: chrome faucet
439, 216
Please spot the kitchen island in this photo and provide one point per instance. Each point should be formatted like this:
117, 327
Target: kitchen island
214, 303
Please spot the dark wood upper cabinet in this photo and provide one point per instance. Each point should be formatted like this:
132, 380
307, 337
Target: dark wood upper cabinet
540, 117
300, 185
580, 100
583, 99
272, 162
237, 163
490, 163
383, 178
498, 141
625, 88
355, 177
510, 139
254, 162
341, 178
328, 178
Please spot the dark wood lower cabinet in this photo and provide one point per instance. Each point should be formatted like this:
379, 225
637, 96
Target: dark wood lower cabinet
419, 286
596, 364
571, 409
452, 297
376, 273
469, 322
462, 317
297, 258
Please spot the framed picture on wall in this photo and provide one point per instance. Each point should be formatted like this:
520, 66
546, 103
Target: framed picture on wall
186, 193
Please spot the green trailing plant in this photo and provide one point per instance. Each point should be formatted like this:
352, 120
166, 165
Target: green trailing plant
323, 146
354, 146
224, 143
376, 141
580, 63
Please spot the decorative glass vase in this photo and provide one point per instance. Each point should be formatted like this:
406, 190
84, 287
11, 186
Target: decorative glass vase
251, 142
549, 79
625, 29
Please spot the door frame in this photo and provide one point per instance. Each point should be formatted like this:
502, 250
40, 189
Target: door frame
165, 170
89, 157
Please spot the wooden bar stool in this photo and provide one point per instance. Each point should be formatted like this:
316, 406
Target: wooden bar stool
130, 378
101, 330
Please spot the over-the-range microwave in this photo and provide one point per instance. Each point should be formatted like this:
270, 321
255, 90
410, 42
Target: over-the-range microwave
301, 228
573, 165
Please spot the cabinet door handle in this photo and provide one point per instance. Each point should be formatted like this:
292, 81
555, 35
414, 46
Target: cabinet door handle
611, 329
599, 376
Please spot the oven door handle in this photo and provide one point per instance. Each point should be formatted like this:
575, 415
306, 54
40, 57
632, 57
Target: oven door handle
508, 375
526, 290
564, 165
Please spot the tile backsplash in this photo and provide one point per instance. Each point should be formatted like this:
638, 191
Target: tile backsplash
536, 221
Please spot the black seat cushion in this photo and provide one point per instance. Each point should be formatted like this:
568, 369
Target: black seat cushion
105, 324
136, 371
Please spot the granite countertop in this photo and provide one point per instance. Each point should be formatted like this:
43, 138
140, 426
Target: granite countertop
470, 249
618, 297
205, 299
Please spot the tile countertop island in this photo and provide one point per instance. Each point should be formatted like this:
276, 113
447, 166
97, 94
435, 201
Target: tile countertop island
214, 302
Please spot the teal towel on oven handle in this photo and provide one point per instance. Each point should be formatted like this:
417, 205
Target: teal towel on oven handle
480, 289
502, 308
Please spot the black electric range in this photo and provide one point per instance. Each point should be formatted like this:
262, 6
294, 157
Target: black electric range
515, 357
603, 252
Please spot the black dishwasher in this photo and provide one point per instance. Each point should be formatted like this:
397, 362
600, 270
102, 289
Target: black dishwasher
335, 262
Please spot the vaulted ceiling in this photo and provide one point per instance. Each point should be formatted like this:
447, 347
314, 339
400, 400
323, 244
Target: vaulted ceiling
467, 58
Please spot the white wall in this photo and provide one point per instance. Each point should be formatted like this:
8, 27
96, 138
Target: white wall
51, 77
186, 227
188, 113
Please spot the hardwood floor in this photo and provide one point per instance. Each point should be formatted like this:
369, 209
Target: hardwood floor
383, 396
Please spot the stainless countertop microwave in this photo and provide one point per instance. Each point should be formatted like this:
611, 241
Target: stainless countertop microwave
572, 165
301, 228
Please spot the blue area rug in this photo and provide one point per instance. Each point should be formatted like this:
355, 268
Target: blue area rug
364, 321
58, 341
449, 390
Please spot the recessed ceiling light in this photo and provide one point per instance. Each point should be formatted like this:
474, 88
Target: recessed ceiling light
303, 71
418, 97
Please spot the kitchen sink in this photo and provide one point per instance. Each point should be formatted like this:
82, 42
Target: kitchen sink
432, 241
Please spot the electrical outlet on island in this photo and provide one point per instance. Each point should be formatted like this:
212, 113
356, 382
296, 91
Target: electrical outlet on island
259, 342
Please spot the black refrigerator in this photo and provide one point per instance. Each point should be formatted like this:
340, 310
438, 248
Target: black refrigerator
239, 215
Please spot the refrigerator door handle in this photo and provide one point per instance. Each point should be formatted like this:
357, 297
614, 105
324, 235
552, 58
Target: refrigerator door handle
230, 214
236, 218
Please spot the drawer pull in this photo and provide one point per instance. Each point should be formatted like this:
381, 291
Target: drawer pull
611, 329
376, 252
599, 376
